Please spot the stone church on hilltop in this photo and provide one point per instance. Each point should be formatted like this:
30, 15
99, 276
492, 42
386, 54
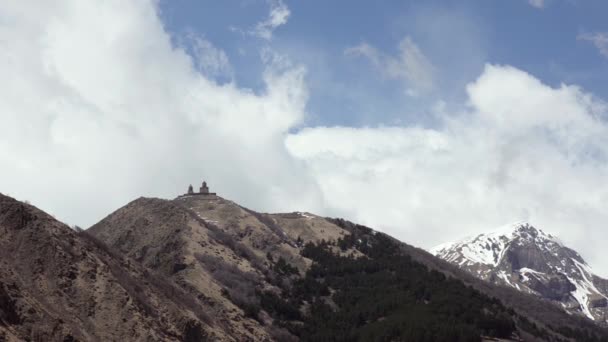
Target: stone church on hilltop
204, 190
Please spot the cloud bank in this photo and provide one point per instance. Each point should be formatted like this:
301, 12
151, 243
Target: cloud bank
522, 151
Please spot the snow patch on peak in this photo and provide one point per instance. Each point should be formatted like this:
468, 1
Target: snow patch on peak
525, 274
510, 228
523, 229
582, 293
490, 248
482, 249
444, 246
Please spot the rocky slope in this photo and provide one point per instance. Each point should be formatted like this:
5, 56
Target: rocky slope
256, 272
208, 244
532, 261
57, 285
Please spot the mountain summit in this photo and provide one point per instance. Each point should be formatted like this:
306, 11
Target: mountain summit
532, 261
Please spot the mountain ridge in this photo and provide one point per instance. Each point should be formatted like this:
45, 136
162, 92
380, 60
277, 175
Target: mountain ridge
275, 245
526, 258
203, 268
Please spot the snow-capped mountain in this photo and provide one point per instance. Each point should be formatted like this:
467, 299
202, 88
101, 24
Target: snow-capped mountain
533, 261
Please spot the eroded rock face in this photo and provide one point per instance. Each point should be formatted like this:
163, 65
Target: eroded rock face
9, 314
597, 302
556, 287
532, 261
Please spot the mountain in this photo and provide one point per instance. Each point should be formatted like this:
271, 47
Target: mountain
532, 261
58, 285
298, 276
217, 251
203, 268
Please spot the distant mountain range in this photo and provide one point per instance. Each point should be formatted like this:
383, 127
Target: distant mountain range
203, 268
532, 261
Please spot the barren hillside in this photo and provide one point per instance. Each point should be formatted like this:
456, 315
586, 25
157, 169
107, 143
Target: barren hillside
58, 285
267, 276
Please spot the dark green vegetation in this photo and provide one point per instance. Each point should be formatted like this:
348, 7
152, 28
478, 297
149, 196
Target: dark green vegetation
379, 293
386, 296
389, 297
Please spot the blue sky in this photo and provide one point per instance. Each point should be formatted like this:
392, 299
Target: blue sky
458, 37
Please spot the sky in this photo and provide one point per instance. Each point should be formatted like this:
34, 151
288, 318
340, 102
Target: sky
428, 120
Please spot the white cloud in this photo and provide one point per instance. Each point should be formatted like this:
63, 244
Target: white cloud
411, 65
599, 39
523, 151
537, 3
278, 15
98, 108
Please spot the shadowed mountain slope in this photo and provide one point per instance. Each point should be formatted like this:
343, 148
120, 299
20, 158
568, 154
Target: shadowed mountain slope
58, 285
